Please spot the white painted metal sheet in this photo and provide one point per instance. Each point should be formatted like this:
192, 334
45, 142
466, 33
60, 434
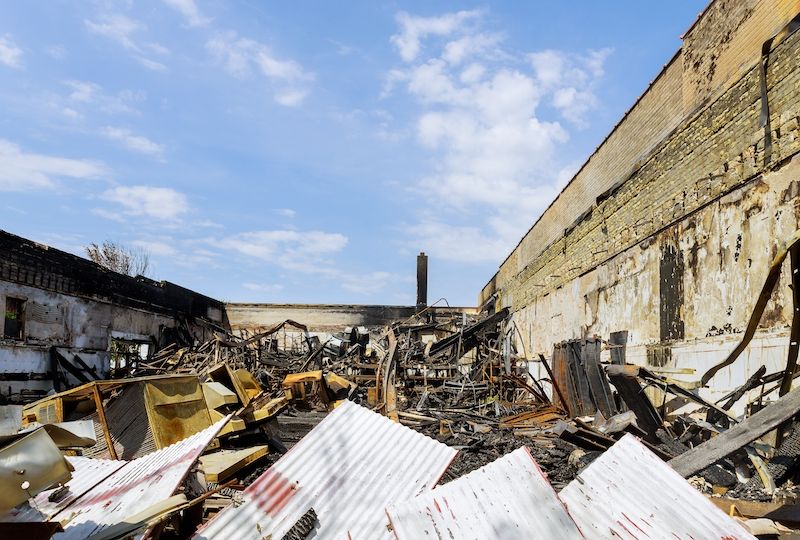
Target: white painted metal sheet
134, 487
629, 493
87, 474
348, 468
509, 498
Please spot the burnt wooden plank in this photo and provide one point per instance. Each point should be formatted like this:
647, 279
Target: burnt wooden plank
743, 433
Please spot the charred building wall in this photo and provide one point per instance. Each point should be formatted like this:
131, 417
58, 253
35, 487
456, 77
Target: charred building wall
325, 318
50, 298
668, 230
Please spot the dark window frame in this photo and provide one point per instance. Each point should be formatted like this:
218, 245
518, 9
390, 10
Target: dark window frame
14, 320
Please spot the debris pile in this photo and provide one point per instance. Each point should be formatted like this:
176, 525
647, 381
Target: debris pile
389, 423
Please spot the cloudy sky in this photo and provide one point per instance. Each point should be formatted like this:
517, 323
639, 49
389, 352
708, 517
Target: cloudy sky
307, 151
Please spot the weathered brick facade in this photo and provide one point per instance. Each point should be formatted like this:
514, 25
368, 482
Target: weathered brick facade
693, 139
715, 149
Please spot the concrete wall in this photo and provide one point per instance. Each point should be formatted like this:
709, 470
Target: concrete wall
722, 255
668, 229
77, 307
323, 318
76, 326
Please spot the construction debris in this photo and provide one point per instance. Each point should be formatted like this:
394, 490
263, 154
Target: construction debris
402, 421
348, 469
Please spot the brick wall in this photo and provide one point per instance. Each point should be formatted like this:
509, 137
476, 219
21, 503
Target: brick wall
660, 164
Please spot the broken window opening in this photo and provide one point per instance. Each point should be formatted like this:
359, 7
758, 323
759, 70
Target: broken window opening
14, 325
126, 355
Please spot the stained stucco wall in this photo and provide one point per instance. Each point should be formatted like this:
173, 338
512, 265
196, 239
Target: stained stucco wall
672, 241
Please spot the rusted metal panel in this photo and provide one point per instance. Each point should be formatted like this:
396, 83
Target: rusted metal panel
510, 498
348, 468
563, 379
580, 381
596, 377
88, 473
128, 423
137, 485
176, 409
628, 492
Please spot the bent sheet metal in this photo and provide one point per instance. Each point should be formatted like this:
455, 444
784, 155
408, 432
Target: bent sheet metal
134, 487
348, 468
628, 492
509, 498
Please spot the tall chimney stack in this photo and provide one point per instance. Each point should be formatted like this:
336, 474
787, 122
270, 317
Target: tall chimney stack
422, 279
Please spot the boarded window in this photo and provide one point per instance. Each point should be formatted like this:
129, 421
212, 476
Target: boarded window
14, 326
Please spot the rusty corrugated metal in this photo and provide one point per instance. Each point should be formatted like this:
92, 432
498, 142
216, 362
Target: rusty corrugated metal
87, 474
628, 492
134, 487
128, 425
348, 468
509, 498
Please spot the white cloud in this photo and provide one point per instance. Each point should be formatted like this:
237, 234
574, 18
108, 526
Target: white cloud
263, 287
303, 251
116, 28
156, 247
290, 98
468, 244
286, 212
86, 94
136, 143
10, 54
366, 284
492, 153
56, 51
147, 201
470, 45
157, 48
241, 57
22, 171
190, 11
207, 223
306, 252
570, 79
152, 65
123, 30
83, 91
70, 113
414, 29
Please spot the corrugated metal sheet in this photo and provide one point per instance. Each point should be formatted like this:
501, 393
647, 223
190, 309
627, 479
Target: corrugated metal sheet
127, 423
137, 485
87, 474
348, 468
509, 498
628, 492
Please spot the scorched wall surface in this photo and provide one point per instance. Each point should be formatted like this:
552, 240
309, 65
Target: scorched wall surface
669, 228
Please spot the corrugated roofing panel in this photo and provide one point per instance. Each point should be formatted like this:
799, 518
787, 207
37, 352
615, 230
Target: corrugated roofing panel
628, 492
509, 498
87, 474
348, 468
134, 487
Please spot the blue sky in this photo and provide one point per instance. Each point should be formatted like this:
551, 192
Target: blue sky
306, 151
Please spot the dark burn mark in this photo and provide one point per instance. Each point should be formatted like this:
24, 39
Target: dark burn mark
671, 272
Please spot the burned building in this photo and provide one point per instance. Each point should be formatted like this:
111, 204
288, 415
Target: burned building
667, 251
66, 318
664, 237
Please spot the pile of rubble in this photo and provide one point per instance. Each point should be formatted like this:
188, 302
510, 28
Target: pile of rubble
388, 427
